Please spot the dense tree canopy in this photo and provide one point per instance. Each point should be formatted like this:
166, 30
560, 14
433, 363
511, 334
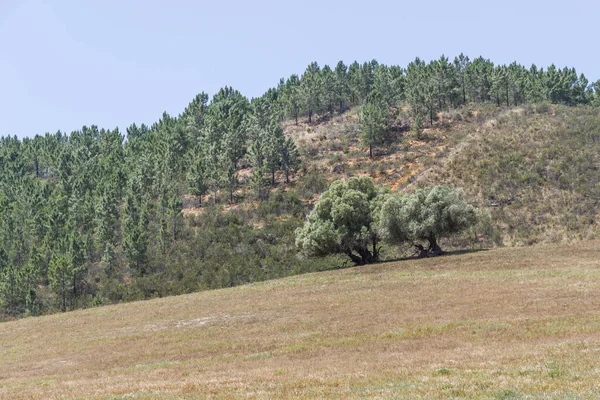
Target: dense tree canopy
344, 221
426, 215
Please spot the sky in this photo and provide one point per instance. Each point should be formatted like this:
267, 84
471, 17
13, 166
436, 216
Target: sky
69, 63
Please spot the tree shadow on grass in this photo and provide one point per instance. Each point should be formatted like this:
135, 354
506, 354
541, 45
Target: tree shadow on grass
345, 264
444, 254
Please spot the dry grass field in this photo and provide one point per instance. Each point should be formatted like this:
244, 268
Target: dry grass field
505, 323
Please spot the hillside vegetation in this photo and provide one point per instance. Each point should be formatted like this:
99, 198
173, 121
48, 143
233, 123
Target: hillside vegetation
211, 198
504, 323
533, 171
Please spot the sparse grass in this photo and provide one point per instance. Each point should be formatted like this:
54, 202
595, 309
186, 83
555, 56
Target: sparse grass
499, 324
535, 169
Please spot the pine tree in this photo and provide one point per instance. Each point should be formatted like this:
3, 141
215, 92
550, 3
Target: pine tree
196, 174
373, 121
274, 140
500, 85
292, 97
290, 158
327, 79
60, 275
341, 85
174, 214
311, 89
135, 233
461, 66
382, 84
12, 293
415, 92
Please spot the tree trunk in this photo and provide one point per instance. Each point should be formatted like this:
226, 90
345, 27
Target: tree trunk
370, 151
309, 116
287, 176
296, 119
174, 227
364, 257
423, 252
64, 296
375, 250
272, 176
434, 248
355, 259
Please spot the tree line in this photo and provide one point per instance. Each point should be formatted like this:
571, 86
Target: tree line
96, 209
95, 216
427, 87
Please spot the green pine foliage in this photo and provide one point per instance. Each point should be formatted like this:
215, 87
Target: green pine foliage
372, 120
96, 216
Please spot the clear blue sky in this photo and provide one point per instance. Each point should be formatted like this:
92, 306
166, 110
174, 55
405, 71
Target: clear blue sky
69, 63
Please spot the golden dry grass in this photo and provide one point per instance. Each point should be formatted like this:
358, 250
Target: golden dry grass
505, 323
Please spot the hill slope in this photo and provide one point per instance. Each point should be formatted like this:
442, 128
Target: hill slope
499, 323
534, 171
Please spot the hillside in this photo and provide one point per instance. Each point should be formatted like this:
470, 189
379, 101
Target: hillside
505, 323
533, 171
211, 198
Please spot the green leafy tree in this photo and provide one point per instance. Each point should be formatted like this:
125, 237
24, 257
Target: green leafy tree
311, 89
461, 66
258, 181
595, 95
194, 116
442, 74
12, 293
342, 90
174, 214
290, 158
196, 175
60, 275
372, 121
479, 74
273, 143
415, 92
292, 97
135, 233
344, 221
500, 84
426, 215
328, 88
383, 84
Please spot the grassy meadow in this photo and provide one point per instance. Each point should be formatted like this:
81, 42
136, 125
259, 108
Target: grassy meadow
499, 324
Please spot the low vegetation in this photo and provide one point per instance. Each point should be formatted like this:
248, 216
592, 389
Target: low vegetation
498, 324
